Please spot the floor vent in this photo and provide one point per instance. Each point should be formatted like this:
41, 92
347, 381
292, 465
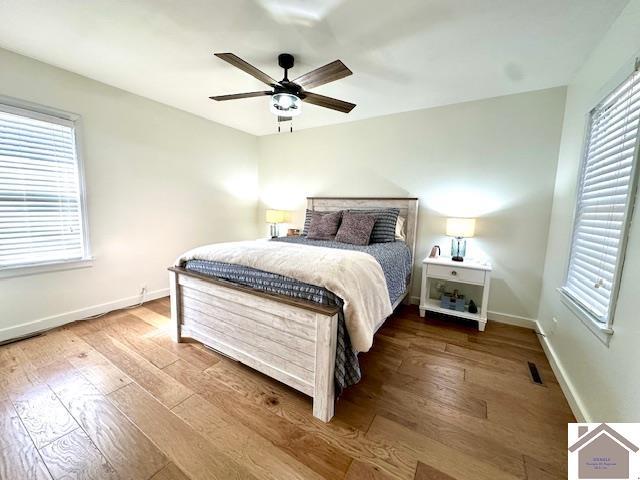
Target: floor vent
535, 375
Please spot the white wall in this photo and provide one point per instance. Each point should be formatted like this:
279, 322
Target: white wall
603, 380
494, 159
158, 181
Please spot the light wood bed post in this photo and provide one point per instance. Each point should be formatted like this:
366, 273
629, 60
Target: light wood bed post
325, 365
174, 291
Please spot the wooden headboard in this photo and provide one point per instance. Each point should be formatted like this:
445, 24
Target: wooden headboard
408, 209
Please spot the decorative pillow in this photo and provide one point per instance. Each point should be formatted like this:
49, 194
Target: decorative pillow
384, 229
355, 229
324, 226
307, 221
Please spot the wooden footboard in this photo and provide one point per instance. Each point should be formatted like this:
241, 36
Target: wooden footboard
290, 340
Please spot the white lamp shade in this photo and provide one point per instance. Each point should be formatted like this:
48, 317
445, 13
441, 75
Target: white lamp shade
277, 216
461, 227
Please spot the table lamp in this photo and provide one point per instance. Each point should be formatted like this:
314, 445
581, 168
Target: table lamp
460, 229
275, 217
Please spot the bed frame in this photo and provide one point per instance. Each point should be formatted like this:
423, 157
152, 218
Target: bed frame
291, 340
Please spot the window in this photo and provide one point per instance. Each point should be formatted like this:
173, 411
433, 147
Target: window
42, 219
606, 192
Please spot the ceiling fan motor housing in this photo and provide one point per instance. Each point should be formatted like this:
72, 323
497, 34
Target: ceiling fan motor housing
289, 87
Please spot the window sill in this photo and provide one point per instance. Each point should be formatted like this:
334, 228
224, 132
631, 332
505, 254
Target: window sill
602, 332
23, 270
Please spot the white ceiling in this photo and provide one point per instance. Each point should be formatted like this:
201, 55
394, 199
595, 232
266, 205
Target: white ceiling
405, 54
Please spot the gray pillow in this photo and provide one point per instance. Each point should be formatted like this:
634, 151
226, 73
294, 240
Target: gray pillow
307, 219
355, 229
324, 226
384, 229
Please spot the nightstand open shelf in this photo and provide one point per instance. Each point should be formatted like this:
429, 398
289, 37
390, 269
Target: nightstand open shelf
467, 272
433, 305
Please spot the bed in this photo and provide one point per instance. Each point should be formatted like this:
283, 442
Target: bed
291, 330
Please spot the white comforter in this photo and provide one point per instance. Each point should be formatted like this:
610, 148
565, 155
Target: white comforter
356, 277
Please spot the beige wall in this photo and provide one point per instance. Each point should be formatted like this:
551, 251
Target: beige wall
603, 380
158, 181
494, 159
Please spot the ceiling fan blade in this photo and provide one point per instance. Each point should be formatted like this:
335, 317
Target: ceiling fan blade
329, 73
328, 102
246, 67
235, 96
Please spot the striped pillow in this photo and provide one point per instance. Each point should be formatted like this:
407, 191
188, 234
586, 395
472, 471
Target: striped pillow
384, 229
307, 221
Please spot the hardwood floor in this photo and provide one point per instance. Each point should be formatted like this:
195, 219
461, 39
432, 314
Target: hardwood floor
115, 398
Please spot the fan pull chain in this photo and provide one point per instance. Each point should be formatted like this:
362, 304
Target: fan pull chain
290, 125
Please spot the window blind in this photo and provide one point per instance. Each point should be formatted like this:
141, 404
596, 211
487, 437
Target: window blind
40, 195
604, 201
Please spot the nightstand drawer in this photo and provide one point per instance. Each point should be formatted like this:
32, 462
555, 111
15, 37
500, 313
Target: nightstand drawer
456, 274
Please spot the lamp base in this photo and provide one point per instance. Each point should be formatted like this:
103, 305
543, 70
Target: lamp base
458, 249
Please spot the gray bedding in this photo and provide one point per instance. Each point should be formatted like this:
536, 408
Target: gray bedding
393, 257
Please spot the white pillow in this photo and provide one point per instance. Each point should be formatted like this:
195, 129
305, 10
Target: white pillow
400, 234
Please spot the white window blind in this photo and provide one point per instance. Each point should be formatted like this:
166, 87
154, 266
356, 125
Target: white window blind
605, 200
41, 211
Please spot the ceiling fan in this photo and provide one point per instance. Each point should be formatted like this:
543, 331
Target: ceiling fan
287, 95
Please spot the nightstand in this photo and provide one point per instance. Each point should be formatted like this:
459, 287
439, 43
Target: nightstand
467, 272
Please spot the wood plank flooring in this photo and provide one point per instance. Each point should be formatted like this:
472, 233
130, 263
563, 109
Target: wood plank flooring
115, 398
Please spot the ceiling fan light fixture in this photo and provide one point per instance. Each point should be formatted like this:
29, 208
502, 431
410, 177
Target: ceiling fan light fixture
285, 105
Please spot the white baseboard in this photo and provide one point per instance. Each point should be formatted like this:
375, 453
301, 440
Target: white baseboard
576, 405
47, 323
499, 317
515, 320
